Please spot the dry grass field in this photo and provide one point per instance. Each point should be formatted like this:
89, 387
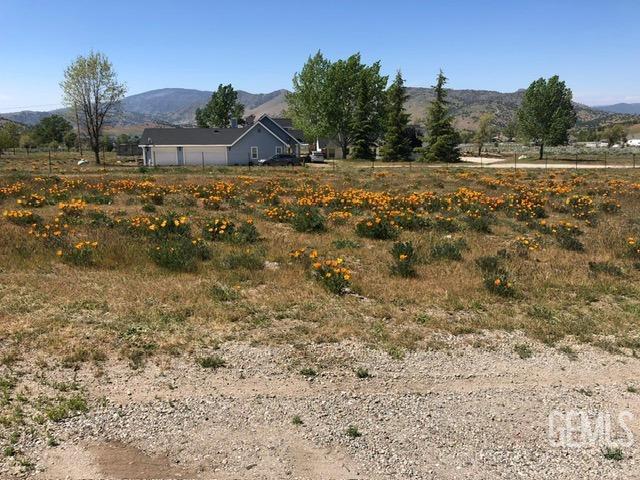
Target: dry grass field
130, 266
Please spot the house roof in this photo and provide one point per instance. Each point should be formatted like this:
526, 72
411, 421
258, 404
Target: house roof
285, 123
214, 136
190, 136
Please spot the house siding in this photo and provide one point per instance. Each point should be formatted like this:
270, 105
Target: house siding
240, 153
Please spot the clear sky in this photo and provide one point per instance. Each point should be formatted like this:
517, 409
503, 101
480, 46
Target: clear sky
258, 45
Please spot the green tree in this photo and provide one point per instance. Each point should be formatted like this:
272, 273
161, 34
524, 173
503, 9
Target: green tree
351, 84
547, 114
441, 143
397, 141
5, 139
51, 129
306, 103
511, 130
368, 115
70, 139
485, 131
123, 138
9, 136
344, 100
221, 108
91, 86
27, 142
614, 134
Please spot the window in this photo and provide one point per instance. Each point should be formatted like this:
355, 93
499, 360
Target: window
278, 150
254, 153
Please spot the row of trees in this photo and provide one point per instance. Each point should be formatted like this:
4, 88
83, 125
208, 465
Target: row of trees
53, 132
349, 101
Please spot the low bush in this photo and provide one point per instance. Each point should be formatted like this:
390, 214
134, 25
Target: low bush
448, 249
22, 217
333, 275
378, 228
496, 278
308, 219
606, 268
80, 253
250, 259
175, 253
404, 259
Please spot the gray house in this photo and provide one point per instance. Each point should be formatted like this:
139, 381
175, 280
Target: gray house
219, 146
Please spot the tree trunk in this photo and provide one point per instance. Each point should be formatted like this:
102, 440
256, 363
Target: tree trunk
480, 150
344, 146
96, 152
541, 151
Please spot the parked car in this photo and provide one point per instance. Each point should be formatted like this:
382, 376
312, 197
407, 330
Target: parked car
317, 157
280, 159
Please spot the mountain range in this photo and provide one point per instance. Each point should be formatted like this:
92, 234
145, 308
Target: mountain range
177, 106
625, 108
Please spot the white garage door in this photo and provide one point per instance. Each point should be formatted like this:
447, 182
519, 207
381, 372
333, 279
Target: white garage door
166, 156
212, 155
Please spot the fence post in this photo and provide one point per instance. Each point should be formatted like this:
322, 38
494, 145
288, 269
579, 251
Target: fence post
576, 161
634, 160
605, 159
515, 161
202, 161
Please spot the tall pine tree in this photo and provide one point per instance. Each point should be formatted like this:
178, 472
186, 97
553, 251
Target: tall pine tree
397, 144
441, 143
363, 128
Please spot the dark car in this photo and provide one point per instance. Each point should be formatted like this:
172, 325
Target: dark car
281, 159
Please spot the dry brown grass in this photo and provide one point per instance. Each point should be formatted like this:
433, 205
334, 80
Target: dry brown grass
126, 305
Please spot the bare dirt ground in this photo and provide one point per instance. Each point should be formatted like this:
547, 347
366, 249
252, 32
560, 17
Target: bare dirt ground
472, 409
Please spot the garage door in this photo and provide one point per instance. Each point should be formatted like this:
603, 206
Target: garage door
212, 155
166, 156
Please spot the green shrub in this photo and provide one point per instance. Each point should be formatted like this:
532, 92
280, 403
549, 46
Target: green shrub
308, 219
378, 228
569, 242
149, 208
606, 268
448, 249
218, 229
175, 253
213, 362
479, 223
248, 258
98, 198
523, 350
345, 243
404, 259
246, 233
353, 432
80, 253
333, 275
170, 224
495, 277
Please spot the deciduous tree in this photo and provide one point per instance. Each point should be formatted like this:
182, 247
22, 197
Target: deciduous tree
547, 114
221, 109
91, 85
306, 103
485, 131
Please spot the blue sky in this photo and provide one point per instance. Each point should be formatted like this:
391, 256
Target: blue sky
258, 45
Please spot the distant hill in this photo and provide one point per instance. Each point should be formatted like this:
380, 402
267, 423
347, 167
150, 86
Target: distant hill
177, 106
625, 108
